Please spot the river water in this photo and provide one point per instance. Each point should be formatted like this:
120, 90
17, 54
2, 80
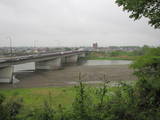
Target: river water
116, 70
30, 67
107, 62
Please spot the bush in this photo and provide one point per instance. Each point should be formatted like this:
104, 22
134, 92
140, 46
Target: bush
9, 109
147, 89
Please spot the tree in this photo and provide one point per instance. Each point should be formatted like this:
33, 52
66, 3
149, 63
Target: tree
148, 65
146, 8
147, 69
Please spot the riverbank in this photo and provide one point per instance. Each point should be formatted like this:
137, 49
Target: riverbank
60, 95
68, 76
36, 86
35, 96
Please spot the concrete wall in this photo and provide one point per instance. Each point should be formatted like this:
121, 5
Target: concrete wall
48, 64
6, 74
63, 60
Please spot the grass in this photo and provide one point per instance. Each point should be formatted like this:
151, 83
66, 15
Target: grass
36, 96
33, 97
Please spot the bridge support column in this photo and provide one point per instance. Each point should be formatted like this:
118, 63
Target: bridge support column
6, 74
48, 64
63, 60
72, 59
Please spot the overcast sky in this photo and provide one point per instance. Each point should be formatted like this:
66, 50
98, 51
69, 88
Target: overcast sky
71, 23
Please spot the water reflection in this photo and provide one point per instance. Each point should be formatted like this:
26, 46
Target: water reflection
107, 62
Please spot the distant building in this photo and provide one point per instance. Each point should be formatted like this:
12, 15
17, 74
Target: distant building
95, 45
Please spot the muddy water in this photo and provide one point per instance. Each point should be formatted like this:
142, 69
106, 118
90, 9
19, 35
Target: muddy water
107, 62
91, 74
31, 66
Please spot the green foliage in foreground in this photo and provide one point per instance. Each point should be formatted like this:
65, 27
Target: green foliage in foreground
126, 102
33, 97
10, 108
142, 8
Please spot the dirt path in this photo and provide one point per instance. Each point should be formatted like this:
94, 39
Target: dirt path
69, 75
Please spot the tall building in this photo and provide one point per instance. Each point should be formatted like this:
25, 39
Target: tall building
95, 45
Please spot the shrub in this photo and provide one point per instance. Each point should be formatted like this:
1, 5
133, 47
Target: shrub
82, 106
9, 109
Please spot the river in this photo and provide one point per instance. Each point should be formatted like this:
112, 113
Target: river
31, 66
92, 70
107, 62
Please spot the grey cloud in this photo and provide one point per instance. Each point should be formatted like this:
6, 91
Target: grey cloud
71, 23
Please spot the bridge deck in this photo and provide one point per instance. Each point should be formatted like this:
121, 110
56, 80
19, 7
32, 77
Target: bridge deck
37, 57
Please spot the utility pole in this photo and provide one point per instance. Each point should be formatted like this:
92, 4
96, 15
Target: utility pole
35, 49
11, 55
11, 51
34, 44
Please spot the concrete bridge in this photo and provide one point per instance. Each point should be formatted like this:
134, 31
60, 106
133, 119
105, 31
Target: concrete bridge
48, 61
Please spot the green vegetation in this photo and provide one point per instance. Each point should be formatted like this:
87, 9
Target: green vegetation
118, 54
33, 97
139, 101
142, 8
36, 96
114, 55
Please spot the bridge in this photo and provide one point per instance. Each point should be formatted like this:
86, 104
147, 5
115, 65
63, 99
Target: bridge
48, 61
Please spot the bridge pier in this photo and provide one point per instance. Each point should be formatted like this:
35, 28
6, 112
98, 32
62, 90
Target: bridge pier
71, 59
63, 60
48, 64
6, 74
